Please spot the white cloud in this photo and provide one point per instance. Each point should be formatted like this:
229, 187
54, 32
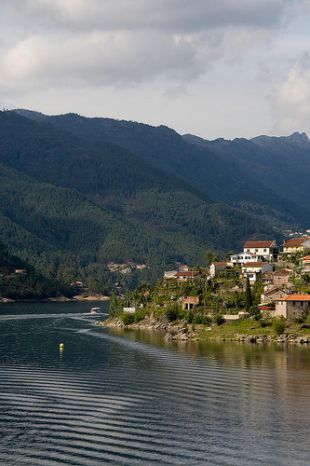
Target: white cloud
124, 42
97, 58
291, 99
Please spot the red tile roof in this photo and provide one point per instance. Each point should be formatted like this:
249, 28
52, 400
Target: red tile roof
254, 264
259, 244
220, 264
295, 242
271, 291
265, 307
296, 297
282, 272
189, 273
305, 259
191, 300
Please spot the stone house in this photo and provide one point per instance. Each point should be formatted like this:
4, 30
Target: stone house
293, 306
189, 302
273, 294
282, 277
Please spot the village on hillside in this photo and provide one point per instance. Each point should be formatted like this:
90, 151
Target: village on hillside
283, 276
263, 283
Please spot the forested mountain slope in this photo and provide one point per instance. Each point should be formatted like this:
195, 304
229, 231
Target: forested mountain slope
266, 177
72, 201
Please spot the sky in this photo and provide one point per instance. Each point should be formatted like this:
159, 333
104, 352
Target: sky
214, 68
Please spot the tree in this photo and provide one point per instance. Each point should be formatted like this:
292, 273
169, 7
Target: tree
211, 256
248, 295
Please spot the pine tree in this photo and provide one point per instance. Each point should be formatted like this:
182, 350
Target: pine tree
248, 295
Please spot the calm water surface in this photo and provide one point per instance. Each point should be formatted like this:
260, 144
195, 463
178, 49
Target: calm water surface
128, 398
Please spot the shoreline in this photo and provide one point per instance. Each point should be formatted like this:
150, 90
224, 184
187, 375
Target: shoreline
180, 331
58, 299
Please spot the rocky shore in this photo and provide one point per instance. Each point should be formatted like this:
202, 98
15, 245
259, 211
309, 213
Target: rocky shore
181, 331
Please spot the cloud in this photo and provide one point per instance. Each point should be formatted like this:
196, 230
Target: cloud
98, 59
125, 42
172, 15
291, 98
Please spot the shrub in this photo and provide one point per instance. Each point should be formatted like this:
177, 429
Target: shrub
127, 319
255, 313
139, 315
172, 313
264, 323
189, 317
278, 326
201, 319
218, 319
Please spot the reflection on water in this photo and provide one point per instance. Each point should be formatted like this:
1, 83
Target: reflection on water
131, 398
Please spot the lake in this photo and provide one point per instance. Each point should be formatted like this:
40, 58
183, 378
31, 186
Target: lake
129, 398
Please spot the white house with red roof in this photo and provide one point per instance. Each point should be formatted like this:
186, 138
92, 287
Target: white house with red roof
242, 258
264, 250
295, 245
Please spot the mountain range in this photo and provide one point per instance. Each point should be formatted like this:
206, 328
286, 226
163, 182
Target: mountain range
77, 193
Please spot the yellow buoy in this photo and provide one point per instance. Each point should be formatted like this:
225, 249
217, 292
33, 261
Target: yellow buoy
61, 346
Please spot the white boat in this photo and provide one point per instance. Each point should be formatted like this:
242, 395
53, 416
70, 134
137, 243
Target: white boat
95, 310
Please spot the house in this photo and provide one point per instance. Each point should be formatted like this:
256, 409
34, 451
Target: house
242, 258
305, 264
217, 267
264, 250
254, 270
168, 275
267, 279
78, 284
183, 268
295, 245
187, 276
272, 294
189, 302
20, 271
293, 306
282, 277
266, 308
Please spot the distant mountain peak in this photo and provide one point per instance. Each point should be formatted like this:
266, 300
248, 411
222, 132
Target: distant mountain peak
299, 137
